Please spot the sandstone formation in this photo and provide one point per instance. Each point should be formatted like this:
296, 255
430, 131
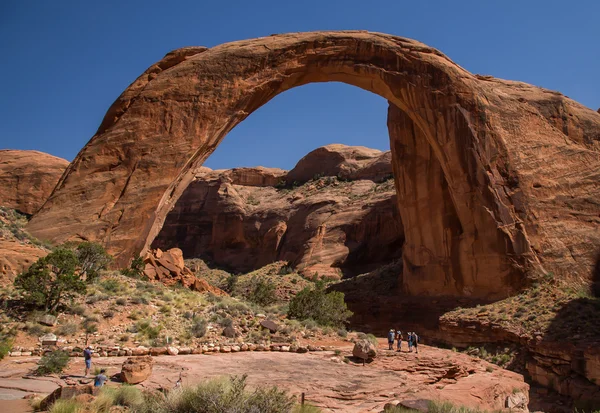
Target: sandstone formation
242, 219
16, 257
346, 162
136, 369
513, 169
364, 350
27, 178
168, 268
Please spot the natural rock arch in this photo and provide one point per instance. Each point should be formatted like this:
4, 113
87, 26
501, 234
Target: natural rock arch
462, 147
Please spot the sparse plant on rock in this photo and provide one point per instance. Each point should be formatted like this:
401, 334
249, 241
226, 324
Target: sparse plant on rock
262, 292
136, 268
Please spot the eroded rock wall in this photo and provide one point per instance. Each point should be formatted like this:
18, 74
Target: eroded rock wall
326, 226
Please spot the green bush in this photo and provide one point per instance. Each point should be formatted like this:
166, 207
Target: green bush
92, 259
111, 286
199, 327
262, 292
217, 396
314, 303
51, 280
54, 362
67, 329
146, 329
136, 268
6, 343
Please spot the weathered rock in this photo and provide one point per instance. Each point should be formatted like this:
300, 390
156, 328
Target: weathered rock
137, 369
16, 257
140, 351
47, 320
469, 151
67, 392
169, 268
27, 178
48, 339
172, 351
364, 349
269, 325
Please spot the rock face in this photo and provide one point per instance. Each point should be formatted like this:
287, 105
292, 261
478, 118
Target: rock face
470, 150
168, 268
27, 178
137, 369
364, 349
243, 219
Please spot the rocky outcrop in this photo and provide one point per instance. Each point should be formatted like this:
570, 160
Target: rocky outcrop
510, 211
27, 178
239, 220
136, 369
345, 162
168, 268
16, 257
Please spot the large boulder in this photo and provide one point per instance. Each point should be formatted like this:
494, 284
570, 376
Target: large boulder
137, 369
27, 178
269, 325
364, 349
66, 392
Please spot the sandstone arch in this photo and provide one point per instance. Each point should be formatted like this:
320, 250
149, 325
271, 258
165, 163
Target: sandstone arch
474, 143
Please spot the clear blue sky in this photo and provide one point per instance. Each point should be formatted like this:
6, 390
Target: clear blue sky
65, 61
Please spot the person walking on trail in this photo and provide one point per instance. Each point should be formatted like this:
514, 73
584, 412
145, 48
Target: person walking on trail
391, 337
399, 340
415, 339
87, 356
410, 342
100, 379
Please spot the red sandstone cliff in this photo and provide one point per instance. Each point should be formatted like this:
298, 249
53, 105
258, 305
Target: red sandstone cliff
27, 179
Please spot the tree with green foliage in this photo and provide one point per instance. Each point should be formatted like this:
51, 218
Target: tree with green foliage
136, 268
315, 303
92, 259
51, 280
53, 362
262, 292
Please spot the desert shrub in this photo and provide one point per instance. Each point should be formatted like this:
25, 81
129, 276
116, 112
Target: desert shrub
126, 396
135, 269
219, 395
54, 362
66, 406
146, 329
262, 292
121, 301
108, 314
92, 259
225, 321
342, 333
36, 330
6, 343
286, 269
51, 280
111, 286
230, 283
140, 299
77, 310
67, 329
198, 328
314, 303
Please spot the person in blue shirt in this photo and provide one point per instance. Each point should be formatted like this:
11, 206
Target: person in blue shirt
410, 342
100, 379
391, 337
87, 355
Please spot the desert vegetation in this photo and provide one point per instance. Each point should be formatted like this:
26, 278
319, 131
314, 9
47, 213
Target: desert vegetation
226, 394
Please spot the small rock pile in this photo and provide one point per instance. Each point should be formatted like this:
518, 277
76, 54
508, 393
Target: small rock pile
169, 268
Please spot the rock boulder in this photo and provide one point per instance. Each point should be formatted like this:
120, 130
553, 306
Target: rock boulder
137, 369
364, 349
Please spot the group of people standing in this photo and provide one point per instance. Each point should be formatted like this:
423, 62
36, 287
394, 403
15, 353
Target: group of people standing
396, 335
